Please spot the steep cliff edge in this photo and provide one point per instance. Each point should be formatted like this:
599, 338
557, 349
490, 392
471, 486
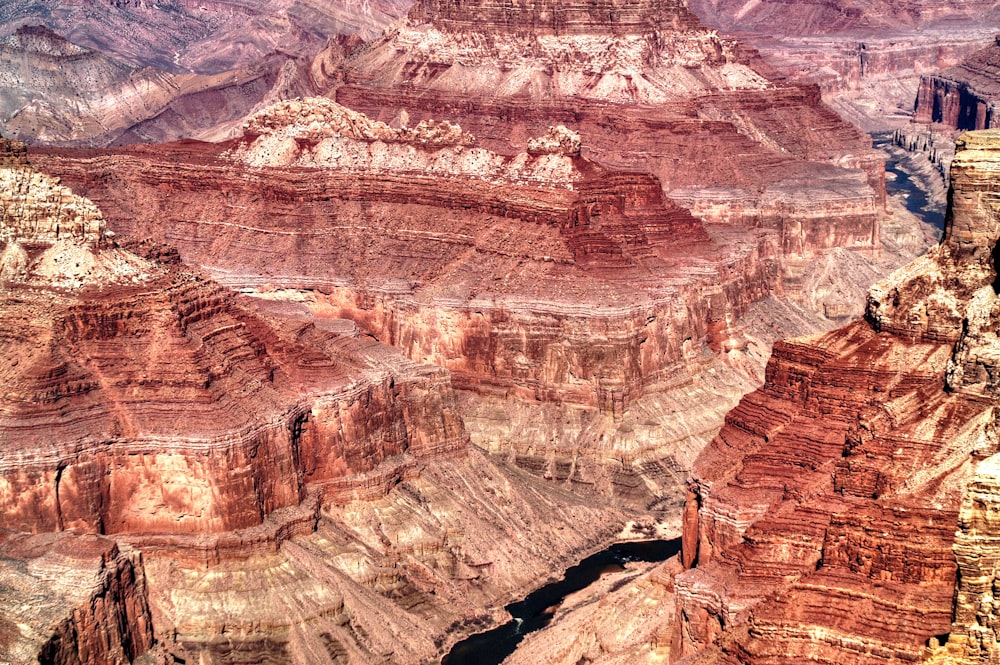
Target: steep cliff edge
820, 522
244, 486
540, 276
963, 96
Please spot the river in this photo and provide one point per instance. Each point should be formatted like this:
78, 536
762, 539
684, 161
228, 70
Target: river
536, 611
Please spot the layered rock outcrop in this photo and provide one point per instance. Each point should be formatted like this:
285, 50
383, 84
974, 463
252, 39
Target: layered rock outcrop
71, 599
963, 96
204, 36
802, 522
547, 278
62, 94
268, 487
99, 340
649, 88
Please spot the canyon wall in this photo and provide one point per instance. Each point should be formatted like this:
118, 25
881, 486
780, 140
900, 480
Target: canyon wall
278, 486
963, 96
802, 522
542, 277
71, 598
204, 36
649, 89
99, 340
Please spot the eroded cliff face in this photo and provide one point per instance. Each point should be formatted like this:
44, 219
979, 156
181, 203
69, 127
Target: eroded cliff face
820, 522
542, 276
204, 36
99, 339
257, 486
649, 89
71, 598
963, 96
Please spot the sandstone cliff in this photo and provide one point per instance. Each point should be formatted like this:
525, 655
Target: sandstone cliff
543, 277
802, 519
71, 599
963, 96
648, 89
268, 486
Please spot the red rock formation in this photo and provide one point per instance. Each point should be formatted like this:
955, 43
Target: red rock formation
803, 519
962, 97
118, 369
594, 237
71, 599
650, 89
296, 490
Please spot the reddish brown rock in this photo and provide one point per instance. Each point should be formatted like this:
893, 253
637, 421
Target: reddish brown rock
651, 90
71, 599
962, 97
297, 490
821, 519
143, 399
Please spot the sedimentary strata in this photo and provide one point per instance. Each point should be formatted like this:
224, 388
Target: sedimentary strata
544, 276
272, 485
650, 89
963, 96
203, 36
802, 519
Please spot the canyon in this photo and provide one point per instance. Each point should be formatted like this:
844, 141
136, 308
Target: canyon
809, 491
441, 313
867, 58
846, 510
232, 480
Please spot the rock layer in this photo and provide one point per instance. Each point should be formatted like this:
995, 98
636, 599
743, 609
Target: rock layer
104, 351
963, 96
71, 599
298, 492
650, 89
801, 522
207, 36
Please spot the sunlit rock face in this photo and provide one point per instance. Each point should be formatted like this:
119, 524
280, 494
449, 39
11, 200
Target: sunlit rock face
118, 367
649, 88
820, 522
184, 477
